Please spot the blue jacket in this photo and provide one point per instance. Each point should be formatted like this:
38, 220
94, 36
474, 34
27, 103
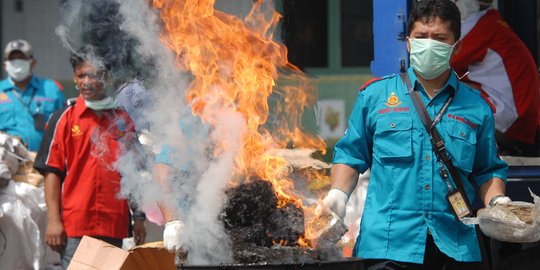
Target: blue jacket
17, 109
406, 195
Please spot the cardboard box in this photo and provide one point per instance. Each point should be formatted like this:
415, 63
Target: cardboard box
92, 254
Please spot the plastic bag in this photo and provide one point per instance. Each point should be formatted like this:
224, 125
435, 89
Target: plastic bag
22, 225
517, 222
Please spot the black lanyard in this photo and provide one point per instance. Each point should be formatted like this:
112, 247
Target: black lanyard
434, 136
419, 105
27, 105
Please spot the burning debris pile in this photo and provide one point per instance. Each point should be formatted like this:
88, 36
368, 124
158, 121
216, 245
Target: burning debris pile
262, 232
221, 79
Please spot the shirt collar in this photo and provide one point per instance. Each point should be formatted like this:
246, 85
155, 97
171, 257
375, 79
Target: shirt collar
8, 84
80, 106
452, 80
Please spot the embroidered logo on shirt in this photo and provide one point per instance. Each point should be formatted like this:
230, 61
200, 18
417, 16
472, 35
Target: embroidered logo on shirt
393, 100
3, 97
76, 130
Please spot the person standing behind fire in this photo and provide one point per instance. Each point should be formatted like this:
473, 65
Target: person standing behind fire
500, 65
80, 145
407, 221
26, 101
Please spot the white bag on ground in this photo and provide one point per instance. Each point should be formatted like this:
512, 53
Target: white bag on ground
23, 218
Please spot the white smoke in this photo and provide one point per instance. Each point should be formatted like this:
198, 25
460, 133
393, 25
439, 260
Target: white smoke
205, 236
198, 178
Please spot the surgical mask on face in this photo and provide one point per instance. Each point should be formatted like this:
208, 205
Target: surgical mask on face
430, 58
467, 7
18, 69
106, 103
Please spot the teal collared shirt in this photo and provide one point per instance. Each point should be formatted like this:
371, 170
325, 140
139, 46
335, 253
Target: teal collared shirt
17, 109
406, 195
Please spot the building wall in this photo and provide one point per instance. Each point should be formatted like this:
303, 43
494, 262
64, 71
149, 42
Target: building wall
35, 21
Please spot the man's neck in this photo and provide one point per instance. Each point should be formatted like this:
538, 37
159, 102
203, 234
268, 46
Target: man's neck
433, 85
23, 84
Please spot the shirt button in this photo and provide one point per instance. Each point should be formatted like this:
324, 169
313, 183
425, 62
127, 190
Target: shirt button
427, 157
427, 187
392, 125
462, 134
426, 214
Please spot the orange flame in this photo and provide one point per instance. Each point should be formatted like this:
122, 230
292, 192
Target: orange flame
237, 63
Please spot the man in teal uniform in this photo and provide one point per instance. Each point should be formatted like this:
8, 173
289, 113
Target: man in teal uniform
407, 221
26, 101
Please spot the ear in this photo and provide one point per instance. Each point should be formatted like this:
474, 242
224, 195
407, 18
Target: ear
408, 43
33, 63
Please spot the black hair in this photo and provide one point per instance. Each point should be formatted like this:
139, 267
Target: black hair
428, 10
86, 53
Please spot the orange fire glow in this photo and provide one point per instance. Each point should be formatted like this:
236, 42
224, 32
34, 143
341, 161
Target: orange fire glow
238, 64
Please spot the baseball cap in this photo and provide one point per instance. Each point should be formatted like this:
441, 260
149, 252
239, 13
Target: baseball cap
18, 45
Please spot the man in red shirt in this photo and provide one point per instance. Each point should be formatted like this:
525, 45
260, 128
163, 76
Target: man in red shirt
81, 144
495, 60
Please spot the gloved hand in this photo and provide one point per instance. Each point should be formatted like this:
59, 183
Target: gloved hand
499, 199
171, 236
336, 201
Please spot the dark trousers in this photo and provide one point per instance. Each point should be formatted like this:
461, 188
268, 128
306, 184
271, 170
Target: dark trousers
433, 259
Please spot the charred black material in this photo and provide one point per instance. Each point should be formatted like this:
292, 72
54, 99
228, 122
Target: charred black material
251, 254
255, 235
260, 231
344, 264
286, 225
248, 204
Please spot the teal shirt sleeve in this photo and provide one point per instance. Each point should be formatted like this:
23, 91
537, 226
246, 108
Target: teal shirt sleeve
163, 156
52, 91
487, 163
354, 148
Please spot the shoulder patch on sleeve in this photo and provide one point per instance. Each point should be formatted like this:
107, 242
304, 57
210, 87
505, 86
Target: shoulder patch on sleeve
59, 85
374, 80
477, 89
370, 82
488, 101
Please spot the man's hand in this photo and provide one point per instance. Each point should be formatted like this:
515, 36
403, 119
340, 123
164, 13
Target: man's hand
499, 199
139, 232
172, 234
55, 235
336, 201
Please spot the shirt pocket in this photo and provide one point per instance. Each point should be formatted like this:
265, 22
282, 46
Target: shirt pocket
461, 146
393, 138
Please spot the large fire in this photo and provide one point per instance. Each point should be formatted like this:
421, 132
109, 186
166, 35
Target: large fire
237, 64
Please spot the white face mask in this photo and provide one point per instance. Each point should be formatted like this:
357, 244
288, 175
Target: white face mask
18, 69
430, 58
467, 7
106, 103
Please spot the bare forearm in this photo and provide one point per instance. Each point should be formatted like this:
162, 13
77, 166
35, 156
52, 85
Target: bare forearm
52, 196
344, 178
491, 188
162, 173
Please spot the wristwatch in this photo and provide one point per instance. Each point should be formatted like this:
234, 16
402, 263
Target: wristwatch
139, 215
493, 200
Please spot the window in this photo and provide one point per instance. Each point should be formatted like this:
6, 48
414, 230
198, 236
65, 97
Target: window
356, 33
305, 32
328, 34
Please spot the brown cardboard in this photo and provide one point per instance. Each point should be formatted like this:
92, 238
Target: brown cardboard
94, 254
